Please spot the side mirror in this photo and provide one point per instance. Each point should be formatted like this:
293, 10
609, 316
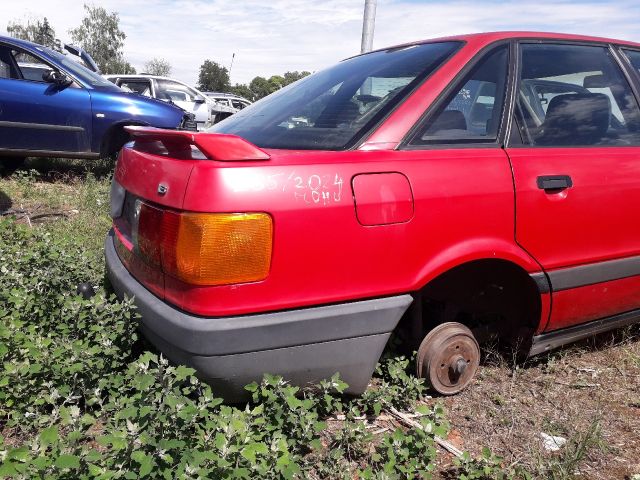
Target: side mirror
57, 78
200, 100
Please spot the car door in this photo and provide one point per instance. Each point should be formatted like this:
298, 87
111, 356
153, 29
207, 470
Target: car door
576, 167
39, 116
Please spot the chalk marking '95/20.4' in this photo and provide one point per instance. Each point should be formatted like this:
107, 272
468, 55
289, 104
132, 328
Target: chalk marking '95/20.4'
312, 189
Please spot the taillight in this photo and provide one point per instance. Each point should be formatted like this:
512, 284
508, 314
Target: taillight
148, 233
205, 248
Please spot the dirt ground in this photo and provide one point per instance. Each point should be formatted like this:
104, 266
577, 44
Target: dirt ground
588, 393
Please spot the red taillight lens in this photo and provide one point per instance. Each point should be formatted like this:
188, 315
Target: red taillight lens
205, 248
148, 235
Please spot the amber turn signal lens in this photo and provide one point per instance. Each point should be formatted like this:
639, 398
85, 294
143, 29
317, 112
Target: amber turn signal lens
218, 248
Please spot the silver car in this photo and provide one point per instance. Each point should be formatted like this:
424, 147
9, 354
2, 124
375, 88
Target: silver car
226, 104
184, 96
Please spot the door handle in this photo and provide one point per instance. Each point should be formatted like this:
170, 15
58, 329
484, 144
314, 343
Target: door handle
554, 182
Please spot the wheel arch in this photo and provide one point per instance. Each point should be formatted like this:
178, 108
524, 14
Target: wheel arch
475, 250
470, 275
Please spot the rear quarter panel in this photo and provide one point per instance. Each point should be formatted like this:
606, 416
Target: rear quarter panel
463, 210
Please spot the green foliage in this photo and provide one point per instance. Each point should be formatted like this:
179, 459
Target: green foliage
286, 415
100, 35
55, 347
213, 77
35, 30
486, 467
290, 77
260, 87
242, 90
158, 66
397, 386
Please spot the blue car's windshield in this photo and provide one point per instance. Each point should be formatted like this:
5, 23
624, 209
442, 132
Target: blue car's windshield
80, 71
332, 109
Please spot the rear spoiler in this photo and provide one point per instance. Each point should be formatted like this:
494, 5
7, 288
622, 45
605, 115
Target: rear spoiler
214, 146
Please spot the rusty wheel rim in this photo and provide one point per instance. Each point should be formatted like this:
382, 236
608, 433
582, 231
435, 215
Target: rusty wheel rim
448, 358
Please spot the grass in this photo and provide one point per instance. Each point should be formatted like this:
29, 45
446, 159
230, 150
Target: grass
103, 404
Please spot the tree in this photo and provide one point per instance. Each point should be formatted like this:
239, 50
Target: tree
290, 77
158, 66
242, 90
120, 65
100, 35
261, 87
37, 31
213, 77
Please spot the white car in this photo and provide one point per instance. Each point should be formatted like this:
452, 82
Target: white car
170, 90
226, 104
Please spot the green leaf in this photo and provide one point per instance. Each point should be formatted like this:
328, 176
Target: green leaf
67, 461
145, 461
21, 454
250, 451
49, 436
252, 387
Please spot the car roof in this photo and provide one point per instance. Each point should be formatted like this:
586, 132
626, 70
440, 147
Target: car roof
19, 42
140, 75
223, 94
490, 37
231, 96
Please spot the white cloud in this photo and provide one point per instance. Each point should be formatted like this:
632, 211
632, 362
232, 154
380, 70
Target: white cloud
273, 37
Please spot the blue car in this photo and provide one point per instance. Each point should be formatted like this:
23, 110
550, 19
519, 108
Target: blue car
52, 106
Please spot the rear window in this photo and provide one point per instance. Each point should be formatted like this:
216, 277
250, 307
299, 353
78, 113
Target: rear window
332, 109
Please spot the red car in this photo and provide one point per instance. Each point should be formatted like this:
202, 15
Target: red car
454, 189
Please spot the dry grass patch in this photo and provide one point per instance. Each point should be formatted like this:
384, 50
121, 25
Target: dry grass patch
588, 394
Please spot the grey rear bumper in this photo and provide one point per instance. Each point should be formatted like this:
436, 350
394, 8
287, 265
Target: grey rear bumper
304, 346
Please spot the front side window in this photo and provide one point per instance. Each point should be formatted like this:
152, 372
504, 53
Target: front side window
175, 92
332, 109
473, 111
30, 67
141, 87
73, 66
574, 95
20, 65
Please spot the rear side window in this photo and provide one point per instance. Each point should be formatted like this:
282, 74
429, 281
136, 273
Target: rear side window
473, 111
574, 95
332, 109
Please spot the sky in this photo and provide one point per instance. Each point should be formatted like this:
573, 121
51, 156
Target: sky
275, 36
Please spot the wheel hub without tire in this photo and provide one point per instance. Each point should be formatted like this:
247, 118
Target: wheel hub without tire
448, 358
